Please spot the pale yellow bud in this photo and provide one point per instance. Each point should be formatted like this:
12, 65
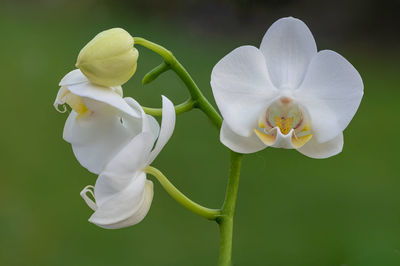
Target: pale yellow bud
109, 59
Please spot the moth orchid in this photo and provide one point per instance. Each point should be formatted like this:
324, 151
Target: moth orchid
122, 194
101, 121
285, 94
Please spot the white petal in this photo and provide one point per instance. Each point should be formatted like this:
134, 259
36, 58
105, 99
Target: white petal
98, 98
122, 169
288, 47
118, 90
95, 139
167, 128
331, 92
317, 150
126, 207
238, 143
122, 195
139, 214
150, 124
134, 105
242, 88
73, 77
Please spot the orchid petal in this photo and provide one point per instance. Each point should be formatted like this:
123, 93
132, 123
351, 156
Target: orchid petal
137, 216
331, 91
150, 124
99, 99
72, 78
288, 47
317, 150
120, 191
242, 88
239, 143
122, 205
122, 169
167, 128
95, 138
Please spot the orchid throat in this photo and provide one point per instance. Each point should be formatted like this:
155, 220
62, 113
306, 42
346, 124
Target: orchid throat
286, 118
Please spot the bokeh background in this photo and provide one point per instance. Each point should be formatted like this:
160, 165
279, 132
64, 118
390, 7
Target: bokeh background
291, 210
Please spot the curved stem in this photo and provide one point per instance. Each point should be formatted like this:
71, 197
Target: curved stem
186, 106
224, 217
210, 214
155, 72
225, 221
201, 101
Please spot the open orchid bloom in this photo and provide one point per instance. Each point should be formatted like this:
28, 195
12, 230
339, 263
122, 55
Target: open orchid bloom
286, 94
101, 121
122, 194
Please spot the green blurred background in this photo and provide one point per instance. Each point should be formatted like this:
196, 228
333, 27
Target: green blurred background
291, 210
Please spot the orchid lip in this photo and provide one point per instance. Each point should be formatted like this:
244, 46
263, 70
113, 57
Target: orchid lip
284, 124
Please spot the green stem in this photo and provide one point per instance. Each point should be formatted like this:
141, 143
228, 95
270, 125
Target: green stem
179, 109
224, 217
155, 72
225, 221
210, 214
201, 101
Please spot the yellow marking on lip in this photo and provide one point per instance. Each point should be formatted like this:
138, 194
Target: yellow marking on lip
284, 123
75, 102
261, 123
267, 139
299, 142
306, 128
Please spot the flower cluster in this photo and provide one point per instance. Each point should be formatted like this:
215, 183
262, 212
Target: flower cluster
110, 135
284, 94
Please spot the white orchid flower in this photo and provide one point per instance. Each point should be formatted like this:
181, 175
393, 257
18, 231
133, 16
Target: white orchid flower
122, 193
101, 121
286, 94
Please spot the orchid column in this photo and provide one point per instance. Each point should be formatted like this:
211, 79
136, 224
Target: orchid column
284, 94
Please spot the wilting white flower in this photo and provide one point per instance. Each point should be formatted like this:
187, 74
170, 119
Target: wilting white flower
122, 193
101, 121
286, 94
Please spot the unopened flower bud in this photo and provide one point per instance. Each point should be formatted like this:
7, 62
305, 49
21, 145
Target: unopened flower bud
109, 59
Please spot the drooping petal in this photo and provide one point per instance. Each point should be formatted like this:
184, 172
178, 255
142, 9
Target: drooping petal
317, 150
73, 77
331, 92
288, 47
96, 138
138, 215
122, 194
167, 128
123, 168
242, 88
100, 99
239, 143
113, 212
